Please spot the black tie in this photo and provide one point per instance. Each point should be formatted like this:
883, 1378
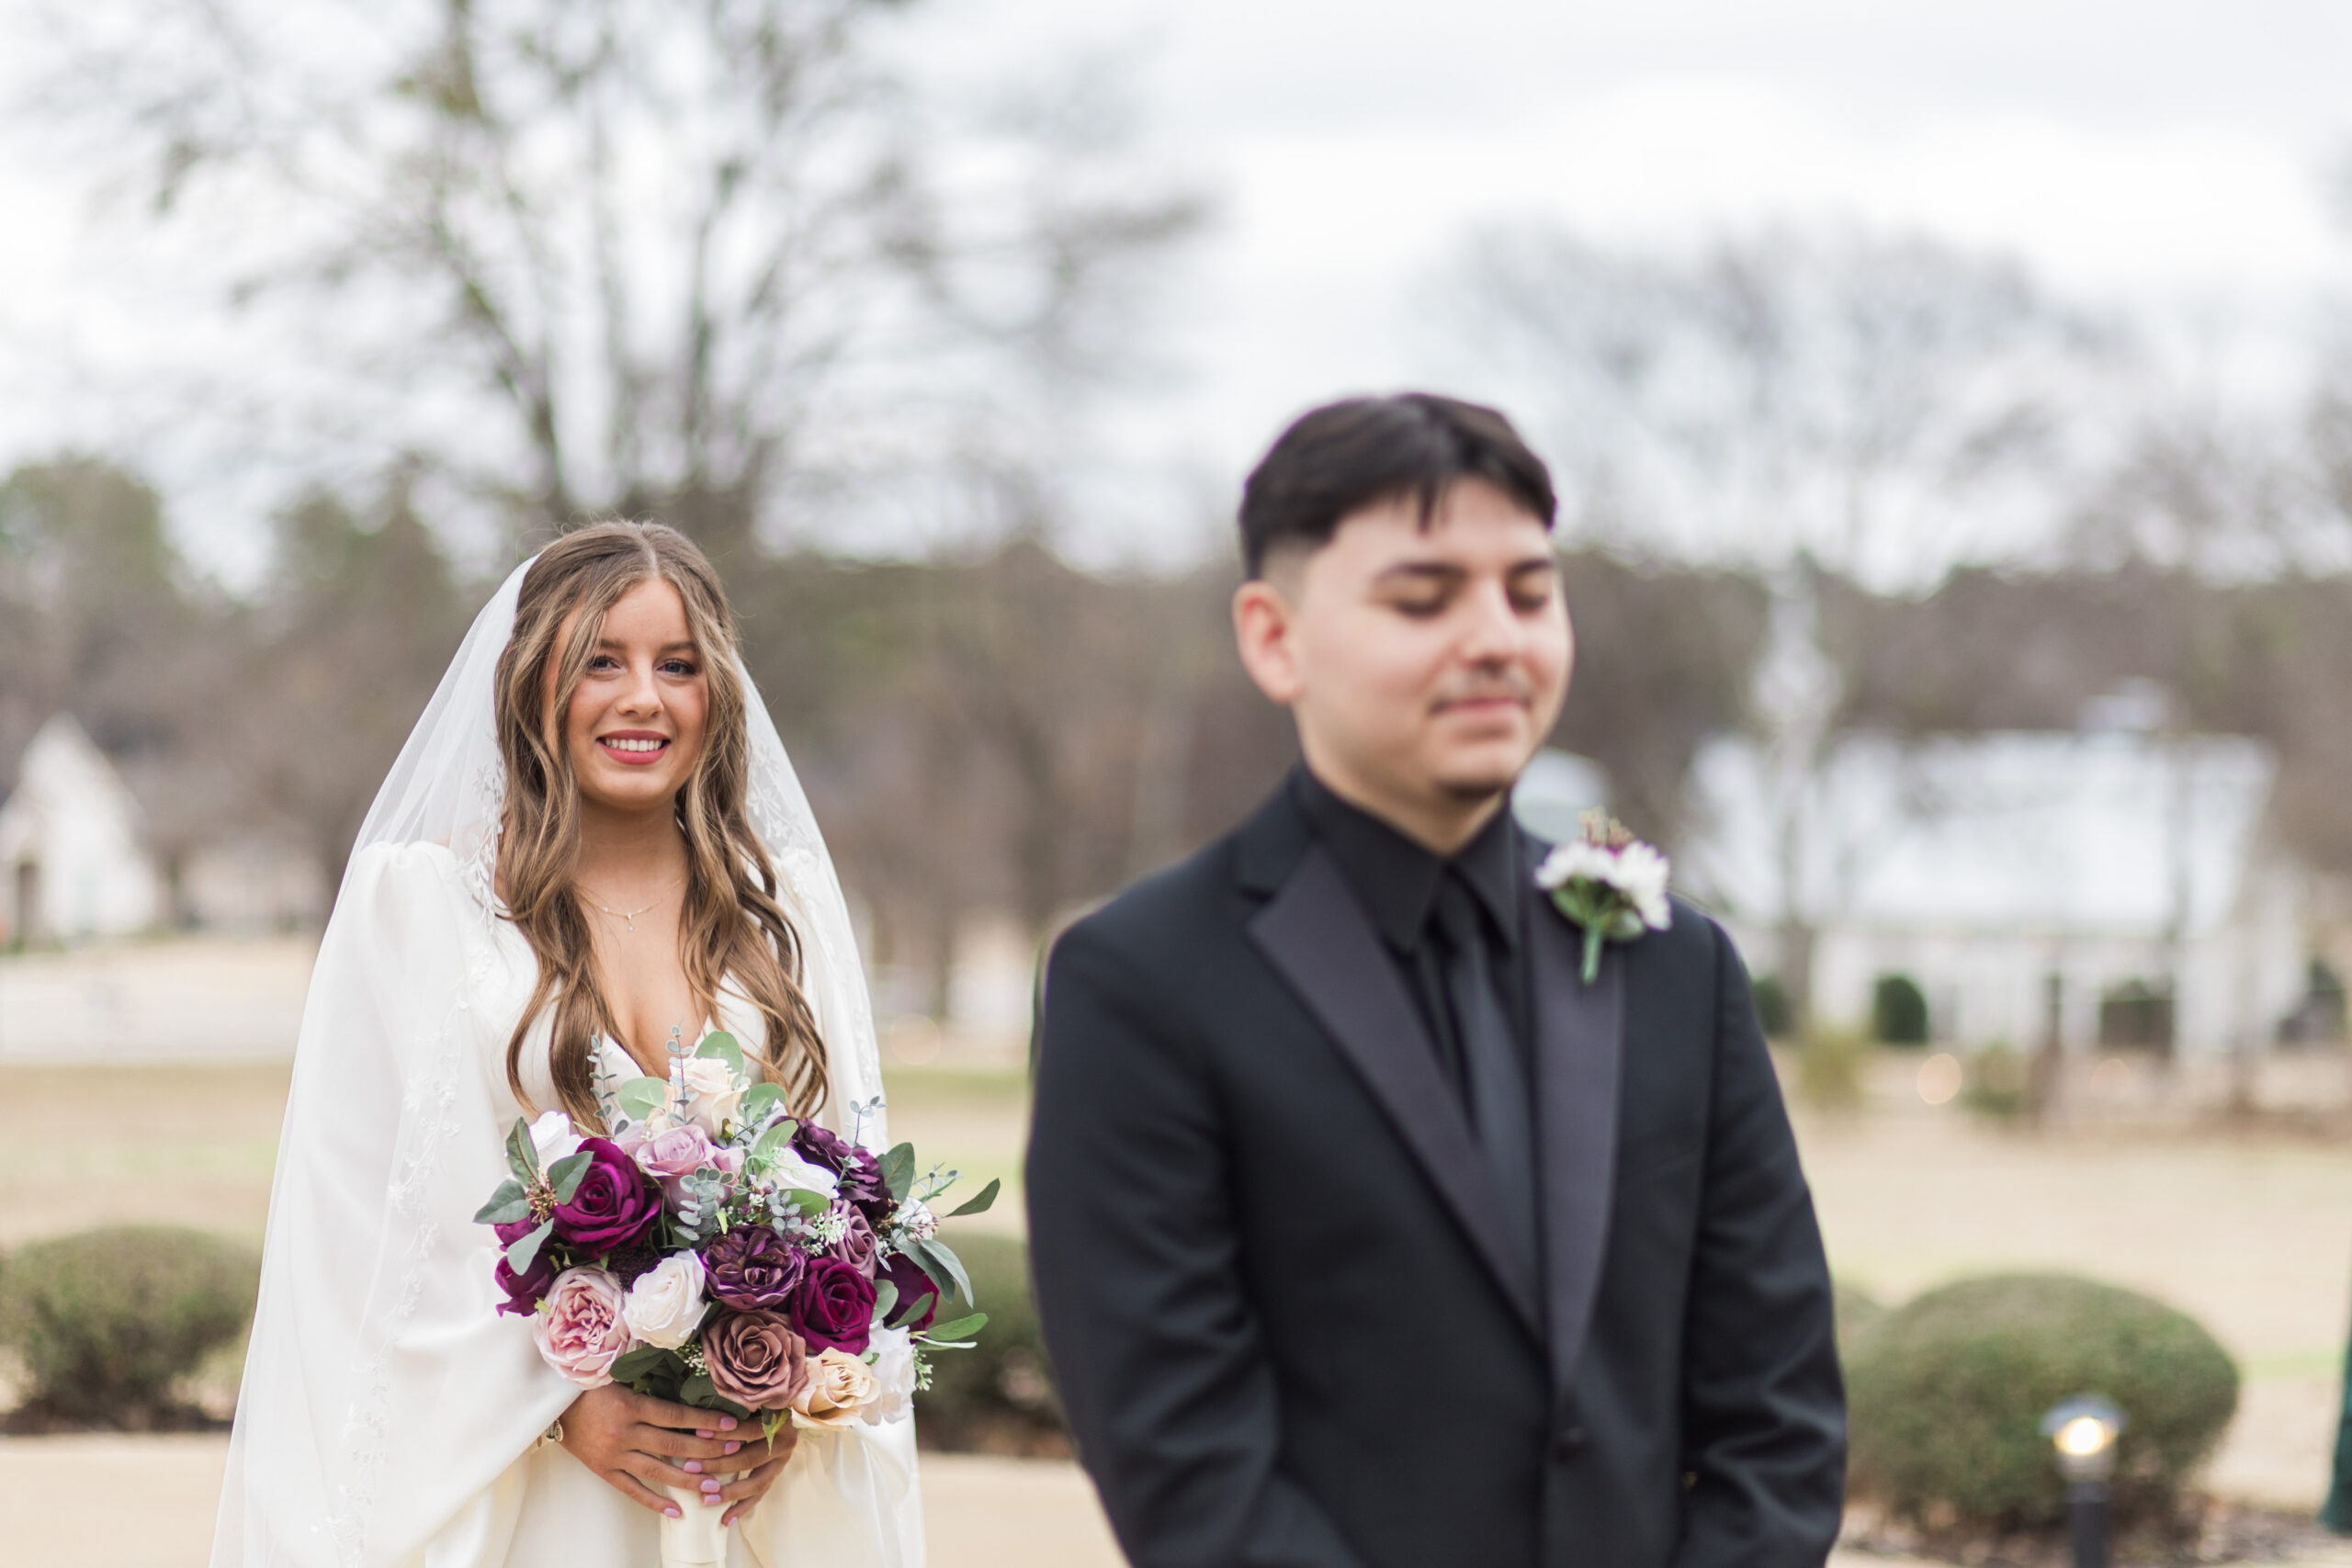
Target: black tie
1496, 1079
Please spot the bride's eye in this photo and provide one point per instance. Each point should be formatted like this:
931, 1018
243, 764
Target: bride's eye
601, 662
685, 667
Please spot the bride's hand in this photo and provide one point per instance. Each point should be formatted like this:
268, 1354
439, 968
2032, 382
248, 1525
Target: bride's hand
767, 1461
638, 1444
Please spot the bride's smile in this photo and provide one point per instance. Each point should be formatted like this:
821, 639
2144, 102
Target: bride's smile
636, 722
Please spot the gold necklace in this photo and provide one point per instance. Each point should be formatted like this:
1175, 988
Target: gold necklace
627, 915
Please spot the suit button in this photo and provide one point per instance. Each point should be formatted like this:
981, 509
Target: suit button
1569, 1443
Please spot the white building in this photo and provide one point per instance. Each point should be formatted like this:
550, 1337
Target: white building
72, 863
2018, 879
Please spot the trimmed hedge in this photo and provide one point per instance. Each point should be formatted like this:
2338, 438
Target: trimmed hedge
108, 1321
1947, 1393
999, 1393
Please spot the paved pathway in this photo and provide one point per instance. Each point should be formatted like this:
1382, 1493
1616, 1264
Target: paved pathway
982, 1513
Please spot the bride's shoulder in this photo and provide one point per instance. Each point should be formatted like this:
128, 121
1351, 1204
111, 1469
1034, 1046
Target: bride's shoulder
385, 879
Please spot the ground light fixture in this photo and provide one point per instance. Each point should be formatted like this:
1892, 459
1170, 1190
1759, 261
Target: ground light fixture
2083, 1431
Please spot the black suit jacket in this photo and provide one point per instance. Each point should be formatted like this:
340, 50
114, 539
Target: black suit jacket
1287, 1327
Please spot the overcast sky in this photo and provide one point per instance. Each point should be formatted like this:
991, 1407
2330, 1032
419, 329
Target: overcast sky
2165, 158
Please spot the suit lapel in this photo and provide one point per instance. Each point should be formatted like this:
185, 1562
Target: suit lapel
1320, 939
1579, 1042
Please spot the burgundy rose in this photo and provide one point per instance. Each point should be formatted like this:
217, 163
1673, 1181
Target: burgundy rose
524, 1290
751, 1269
614, 1205
755, 1359
857, 1246
913, 1285
823, 1145
835, 1306
859, 1172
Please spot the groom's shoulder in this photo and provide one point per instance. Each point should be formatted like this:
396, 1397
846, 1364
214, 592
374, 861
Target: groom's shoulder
1187, 898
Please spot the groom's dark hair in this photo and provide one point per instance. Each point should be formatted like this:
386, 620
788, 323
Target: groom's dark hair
1360, 452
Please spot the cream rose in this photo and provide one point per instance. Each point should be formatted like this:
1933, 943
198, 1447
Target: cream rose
839, 1389
667, 1302
894, 1376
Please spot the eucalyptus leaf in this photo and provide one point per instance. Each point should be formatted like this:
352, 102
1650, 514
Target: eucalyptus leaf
522, 1154
898, 1171
922, 1302
506, 1205
940, 1262
810, 1204
640, 1098
721, 1047
962, 1328
772, 1142
526, 1250
885, 1296
564, 1174
978, 1202
759, 1100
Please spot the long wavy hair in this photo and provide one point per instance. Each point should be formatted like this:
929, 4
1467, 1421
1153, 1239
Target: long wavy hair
733, 926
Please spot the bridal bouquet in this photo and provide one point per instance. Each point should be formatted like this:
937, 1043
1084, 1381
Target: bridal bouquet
716, 1252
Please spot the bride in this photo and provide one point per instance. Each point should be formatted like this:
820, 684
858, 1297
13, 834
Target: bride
591, 839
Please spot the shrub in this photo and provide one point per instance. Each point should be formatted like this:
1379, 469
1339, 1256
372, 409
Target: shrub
107, 1320
1898, 1012
1997, 1083
1946, 1398
1858, 1313
999, 1395
1830, 1070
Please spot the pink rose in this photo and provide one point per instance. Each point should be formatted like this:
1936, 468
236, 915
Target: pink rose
680, 1151
579, 1325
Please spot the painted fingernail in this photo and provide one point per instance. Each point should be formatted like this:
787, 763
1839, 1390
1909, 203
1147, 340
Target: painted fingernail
732, 1446
710, 1500
727, 1423
672, 1511
709, 1483
706, 1436
694, 1467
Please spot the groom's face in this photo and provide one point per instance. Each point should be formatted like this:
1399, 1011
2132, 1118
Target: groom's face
1424, 661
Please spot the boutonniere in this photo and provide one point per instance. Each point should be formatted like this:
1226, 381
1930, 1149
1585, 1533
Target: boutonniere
1610, 883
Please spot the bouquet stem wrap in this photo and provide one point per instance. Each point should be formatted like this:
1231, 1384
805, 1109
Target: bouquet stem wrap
695, 1539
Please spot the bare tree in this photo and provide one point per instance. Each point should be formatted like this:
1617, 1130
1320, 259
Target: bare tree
620, 256
1882, 407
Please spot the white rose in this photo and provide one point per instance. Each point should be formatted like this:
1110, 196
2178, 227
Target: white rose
839, 1389
666, 1303
919, 1222
894, 1376
789, 1168
552, 1136
707, 1077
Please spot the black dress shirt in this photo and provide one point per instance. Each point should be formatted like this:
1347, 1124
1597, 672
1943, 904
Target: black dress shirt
1396, 880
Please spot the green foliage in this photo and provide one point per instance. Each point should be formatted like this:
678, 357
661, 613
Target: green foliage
1857, 1315
1898, 1012
1772, 1007
1830, 1070
1002, 1386
1997, 1083
107, 1320
1947, 1395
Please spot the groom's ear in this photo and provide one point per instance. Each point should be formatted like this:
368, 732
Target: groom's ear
1265, 619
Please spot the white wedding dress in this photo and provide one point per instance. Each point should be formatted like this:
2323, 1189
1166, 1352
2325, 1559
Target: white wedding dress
390, 1417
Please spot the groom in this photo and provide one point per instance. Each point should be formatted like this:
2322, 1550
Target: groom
1366, 1233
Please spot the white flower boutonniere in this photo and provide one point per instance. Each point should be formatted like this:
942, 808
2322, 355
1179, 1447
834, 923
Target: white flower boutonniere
1610, 883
